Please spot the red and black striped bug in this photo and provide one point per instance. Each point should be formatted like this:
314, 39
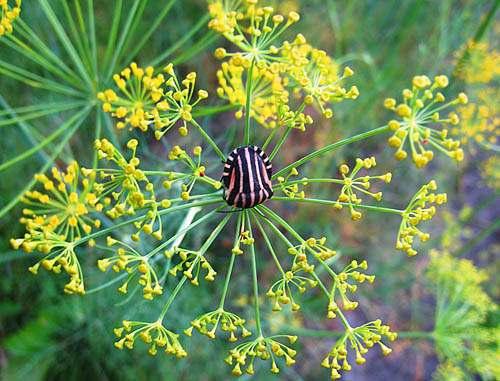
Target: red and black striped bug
247, 177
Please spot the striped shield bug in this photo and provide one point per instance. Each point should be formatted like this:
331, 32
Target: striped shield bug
247, 177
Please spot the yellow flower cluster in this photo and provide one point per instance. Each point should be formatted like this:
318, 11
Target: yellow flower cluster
138, 86
62, 208
265, 348
291, 190
124, 186
281, 290
252, 29
482, 64
60, 255
361, 184
223, 12
342, 285
56, 219
316, 74
163, 338
490, 171
267, 90
420, 108
313, 246
128, 259
8, 15
276, 71
197, 172
229, 323
191, 261
245, 239
416, 212
360, 339
152, 100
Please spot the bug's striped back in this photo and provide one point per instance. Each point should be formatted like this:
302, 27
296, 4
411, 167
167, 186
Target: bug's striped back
247, 177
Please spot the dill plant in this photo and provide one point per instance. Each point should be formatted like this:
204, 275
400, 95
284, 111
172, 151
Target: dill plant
275, 88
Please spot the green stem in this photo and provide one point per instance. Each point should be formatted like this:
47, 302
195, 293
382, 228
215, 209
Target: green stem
270, 137
210, 110
248, 99
182, 41
328, 202
329, 148
203, 250
280, 143
199, 46
231, 264
340, 314
209, 140
254, 276
138, 46
268, 243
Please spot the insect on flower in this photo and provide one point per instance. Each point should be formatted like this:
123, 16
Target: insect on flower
247, 175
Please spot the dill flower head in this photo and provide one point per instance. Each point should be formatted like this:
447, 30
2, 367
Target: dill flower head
224, 13
252, 29
360, 339
267, 87
129, 259
150, 333
61, 207
208, 323
418, 117
418, 210
54, 219
8, 15
264, 348
126, 189
352, 184
152, 101
316, 75
137, 96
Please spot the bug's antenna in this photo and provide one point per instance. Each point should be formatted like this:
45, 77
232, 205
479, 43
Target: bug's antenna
230, 211
262, 214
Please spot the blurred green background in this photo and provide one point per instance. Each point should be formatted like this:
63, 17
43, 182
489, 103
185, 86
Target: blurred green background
46, 334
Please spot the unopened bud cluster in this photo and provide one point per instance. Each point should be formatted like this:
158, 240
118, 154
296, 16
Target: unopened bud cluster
359, 339
208, 323
130, 260
190, 265
418, 210
265, 349
150, 333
